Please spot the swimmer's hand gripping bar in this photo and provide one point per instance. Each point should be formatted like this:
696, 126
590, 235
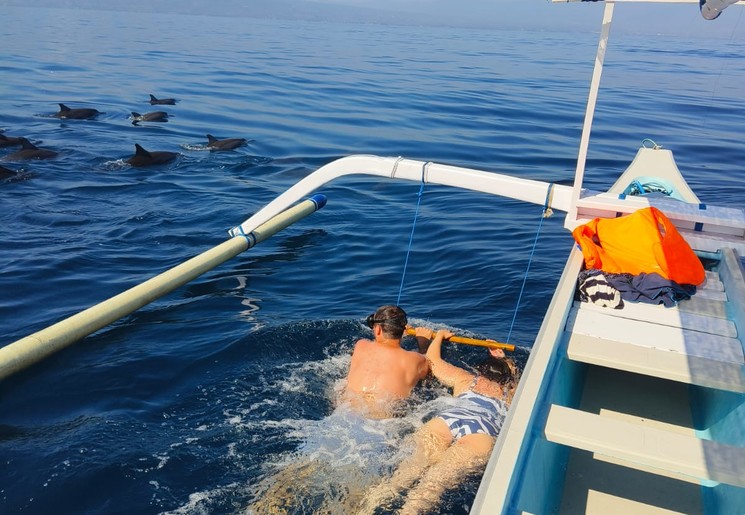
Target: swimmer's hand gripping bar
473, 341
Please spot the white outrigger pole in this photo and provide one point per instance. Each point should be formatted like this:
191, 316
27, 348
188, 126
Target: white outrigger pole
527, 190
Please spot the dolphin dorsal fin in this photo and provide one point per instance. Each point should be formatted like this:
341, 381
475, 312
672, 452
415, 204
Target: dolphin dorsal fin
63, 108
136, 115
139, 151
152, 97
27, 145
211, 138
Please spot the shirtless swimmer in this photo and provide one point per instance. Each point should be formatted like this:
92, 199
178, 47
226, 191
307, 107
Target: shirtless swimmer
382, 373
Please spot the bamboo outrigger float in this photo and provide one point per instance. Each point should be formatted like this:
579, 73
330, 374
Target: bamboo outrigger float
25, 352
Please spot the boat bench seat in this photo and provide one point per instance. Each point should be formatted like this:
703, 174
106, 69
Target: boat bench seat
644, 446
697, 342
704, 227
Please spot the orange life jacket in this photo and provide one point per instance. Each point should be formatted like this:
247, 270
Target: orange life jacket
643, 241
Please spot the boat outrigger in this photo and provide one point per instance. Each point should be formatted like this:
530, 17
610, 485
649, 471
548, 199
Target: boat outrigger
633, 410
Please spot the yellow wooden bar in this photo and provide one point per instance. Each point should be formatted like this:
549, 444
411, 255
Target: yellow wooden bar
473, 341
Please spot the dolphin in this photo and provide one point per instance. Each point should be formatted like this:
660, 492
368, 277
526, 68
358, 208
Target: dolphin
154, 116
7, 173
144, 158
76, 114
224, 144
30, 151
9, 141
162, 101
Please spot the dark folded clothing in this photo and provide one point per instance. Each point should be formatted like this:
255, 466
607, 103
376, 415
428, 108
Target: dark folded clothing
652, 289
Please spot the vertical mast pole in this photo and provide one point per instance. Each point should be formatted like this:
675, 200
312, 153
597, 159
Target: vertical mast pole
589, 113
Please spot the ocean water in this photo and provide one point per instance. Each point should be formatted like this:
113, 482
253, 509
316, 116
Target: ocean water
190, 404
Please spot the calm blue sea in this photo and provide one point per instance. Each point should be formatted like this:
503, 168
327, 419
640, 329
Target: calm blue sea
189, 404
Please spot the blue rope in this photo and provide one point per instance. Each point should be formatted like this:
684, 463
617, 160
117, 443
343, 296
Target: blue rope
545, 214
411, 237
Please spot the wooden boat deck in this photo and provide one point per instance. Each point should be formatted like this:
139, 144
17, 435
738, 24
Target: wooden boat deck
596, 483
695, 342
634, 446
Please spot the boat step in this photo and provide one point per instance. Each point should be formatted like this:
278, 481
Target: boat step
712, 340
711, 242
712, 281
652, 423
713, 370
600, 503
636, 444
723, 218
732, 276
711, 295
698, 305
704, 315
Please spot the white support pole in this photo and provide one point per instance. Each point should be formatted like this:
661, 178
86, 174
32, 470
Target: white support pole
589, 113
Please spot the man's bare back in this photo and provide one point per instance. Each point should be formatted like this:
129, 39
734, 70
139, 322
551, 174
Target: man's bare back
381, 373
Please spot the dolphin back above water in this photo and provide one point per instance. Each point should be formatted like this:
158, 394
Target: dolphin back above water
84, 113
30, 151
224, 144
162, 101
155, 116
143, 157
7, 173
10, 141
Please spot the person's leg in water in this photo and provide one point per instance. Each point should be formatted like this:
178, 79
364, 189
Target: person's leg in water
467, 455
311, 486
431, 441
285, 490
340, 458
